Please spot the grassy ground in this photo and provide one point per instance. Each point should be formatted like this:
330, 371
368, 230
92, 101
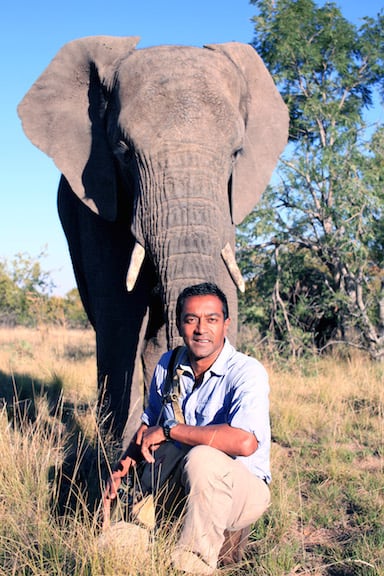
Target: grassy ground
327, 512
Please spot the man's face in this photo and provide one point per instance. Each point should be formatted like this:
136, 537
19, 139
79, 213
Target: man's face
202, 326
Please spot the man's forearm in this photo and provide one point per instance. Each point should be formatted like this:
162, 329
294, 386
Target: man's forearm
232, 441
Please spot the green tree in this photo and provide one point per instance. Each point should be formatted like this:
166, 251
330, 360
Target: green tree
25, 296
27, 274
34, 285
11, 298
23, 287
315, 244
74, 311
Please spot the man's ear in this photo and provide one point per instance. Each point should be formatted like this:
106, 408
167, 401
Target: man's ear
226, 324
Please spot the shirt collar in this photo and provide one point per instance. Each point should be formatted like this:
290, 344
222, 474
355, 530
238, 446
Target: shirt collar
219, 367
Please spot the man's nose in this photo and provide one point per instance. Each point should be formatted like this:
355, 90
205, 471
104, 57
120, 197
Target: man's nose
200, 325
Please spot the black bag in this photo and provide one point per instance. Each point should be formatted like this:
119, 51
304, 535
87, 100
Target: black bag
150, 484
152, 477
168, 455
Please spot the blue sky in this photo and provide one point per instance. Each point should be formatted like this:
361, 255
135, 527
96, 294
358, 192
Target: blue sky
31, 33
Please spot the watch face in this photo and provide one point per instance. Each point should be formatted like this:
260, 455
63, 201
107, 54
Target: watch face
167, 426
170, 423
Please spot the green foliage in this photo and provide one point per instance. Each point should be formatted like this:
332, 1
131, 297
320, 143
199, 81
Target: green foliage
301, 312
13, 304
73, 310
25, 296
27, 274
9, 293
319, 257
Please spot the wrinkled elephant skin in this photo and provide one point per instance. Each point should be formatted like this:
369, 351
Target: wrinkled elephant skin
162, 152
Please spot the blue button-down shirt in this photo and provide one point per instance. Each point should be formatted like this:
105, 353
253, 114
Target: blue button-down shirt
234, 391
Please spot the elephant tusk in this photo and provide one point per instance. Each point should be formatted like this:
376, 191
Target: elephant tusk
230, 262
137, 259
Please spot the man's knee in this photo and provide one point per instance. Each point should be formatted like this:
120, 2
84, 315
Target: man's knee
203, 465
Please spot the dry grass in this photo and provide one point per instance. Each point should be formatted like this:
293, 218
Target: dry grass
327, 512
47, 355
327, 516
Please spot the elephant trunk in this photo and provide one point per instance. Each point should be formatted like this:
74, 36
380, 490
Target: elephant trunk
184, 224
186, 261
184, 258
172, 285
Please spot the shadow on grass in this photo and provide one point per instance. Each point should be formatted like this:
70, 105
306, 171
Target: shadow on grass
78, 480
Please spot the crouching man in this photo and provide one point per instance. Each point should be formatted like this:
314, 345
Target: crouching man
224, 408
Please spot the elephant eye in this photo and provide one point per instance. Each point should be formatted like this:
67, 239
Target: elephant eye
124, 152
237, 151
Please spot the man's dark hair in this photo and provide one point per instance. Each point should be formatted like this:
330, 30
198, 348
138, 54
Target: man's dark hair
203, 289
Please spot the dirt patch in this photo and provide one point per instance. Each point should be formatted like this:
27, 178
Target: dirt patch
371, 464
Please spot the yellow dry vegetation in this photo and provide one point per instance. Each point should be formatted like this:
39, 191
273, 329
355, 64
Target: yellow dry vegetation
327, 511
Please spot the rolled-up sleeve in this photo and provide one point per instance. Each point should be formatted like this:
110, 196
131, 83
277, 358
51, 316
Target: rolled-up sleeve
249, 407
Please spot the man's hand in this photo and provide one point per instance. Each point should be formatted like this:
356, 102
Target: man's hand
151, 440
114, 481
129, 458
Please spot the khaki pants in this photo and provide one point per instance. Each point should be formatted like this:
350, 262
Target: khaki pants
221, 495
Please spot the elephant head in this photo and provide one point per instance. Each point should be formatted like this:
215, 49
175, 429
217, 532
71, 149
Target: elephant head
184, 138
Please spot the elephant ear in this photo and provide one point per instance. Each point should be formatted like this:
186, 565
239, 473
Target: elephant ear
266, 130
62, 114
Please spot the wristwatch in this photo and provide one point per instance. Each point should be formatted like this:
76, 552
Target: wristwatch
167, 427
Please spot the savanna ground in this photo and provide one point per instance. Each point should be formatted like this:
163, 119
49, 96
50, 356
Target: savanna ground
327, 512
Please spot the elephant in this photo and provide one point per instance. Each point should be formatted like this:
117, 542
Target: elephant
162, 151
